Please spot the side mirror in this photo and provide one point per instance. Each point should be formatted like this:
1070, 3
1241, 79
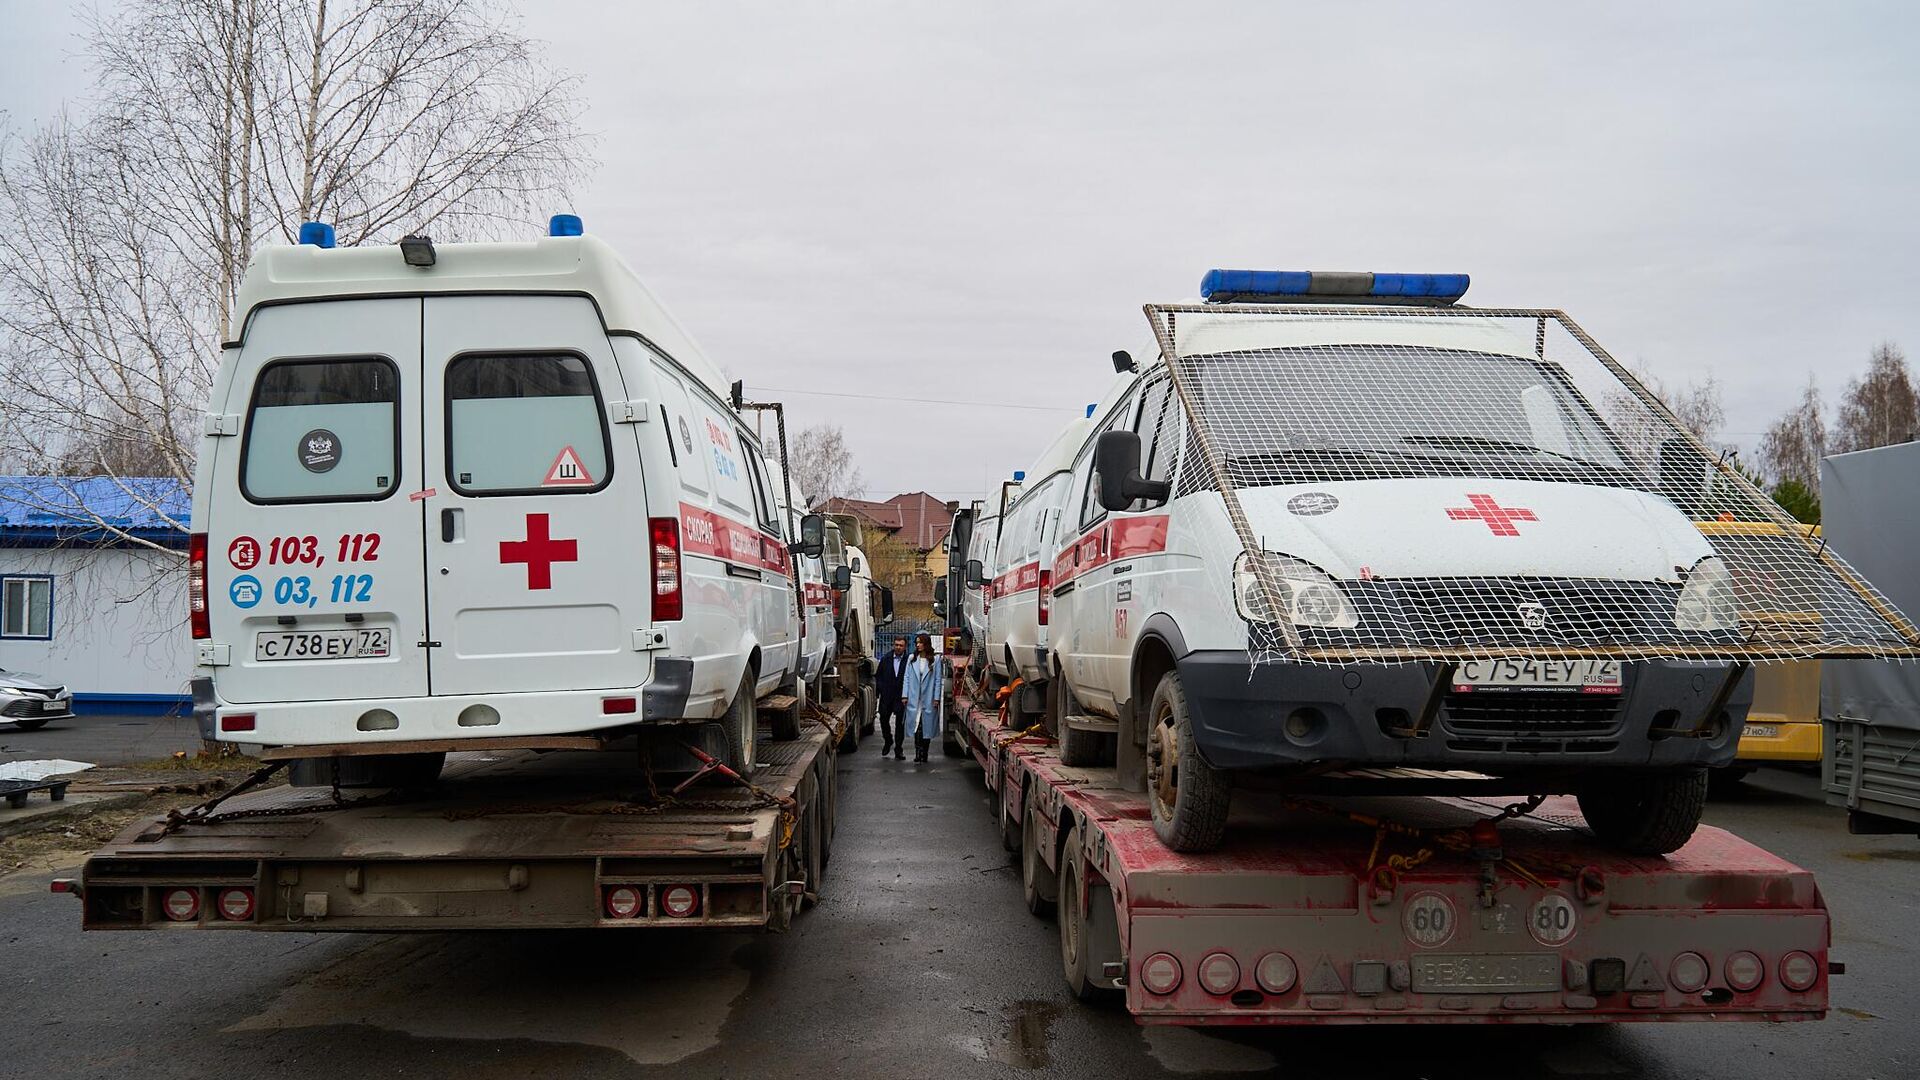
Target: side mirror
1116, 458
886, 606
976, 573
842, 578
813, 537
738, 392
856, 565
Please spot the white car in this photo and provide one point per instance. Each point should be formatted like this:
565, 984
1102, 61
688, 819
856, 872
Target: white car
478, 491
1496, 503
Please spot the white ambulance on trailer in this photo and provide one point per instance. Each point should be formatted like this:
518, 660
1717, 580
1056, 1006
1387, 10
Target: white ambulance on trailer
479, 491
1023, 570
818, 644
976, 578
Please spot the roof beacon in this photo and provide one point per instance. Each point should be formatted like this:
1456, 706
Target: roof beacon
565, 225
1019, 475
1295, 286
1090, 409
317, 233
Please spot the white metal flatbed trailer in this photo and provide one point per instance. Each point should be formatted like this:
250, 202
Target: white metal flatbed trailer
508, 840
1322, 913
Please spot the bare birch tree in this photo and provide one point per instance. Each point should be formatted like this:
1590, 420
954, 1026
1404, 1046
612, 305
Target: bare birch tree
823, 465
1878, 409
220, 125
1791, 449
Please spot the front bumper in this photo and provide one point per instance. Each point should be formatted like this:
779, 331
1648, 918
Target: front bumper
1791, 741
1241, 713
35, 708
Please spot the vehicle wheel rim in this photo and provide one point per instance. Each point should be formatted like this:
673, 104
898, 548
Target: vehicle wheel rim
1163, 758
1070, 918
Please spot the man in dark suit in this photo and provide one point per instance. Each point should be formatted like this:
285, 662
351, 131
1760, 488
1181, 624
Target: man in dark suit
888, 680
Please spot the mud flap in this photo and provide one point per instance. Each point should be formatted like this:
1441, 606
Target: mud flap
1106, 966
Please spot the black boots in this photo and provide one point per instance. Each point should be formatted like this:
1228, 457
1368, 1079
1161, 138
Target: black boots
920, 744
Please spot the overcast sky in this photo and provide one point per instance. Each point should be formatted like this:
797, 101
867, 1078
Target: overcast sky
970, 201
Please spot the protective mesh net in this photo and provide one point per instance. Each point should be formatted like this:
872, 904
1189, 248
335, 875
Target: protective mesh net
1456, 484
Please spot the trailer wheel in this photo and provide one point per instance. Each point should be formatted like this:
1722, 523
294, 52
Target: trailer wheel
812, 839
1646, 813
1087, 932
1076, 747
1189, 798
1011, 828
1040, 885
869, 706
741, 726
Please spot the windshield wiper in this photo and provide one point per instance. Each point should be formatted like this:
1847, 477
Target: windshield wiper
1481, 442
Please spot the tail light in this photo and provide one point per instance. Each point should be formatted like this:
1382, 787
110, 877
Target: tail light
623, 902
1160, 973
197, 586
1046, 595
680, 901
665, 534
1689, 972
236, 905
181, 905
1799, 971
237, 722
1276, 973
1745, 971
614, 706
1219, 973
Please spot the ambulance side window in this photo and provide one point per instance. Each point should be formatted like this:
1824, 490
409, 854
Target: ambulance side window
763, 495
525, 424
1154, 426
323, 431
682, 433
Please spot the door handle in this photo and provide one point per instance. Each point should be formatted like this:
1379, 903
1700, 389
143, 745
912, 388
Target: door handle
451, 518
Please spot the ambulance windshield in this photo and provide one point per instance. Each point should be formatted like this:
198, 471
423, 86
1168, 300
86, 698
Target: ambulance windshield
1280, 415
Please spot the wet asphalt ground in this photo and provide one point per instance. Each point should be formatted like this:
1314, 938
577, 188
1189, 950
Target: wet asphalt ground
920, 962
102, 740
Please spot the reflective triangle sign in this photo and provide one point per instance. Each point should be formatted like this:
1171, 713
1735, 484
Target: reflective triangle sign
567, 471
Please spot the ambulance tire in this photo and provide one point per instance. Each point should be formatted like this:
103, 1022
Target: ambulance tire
1189, 798
368, 771
741, 728
1646, 813
786, 722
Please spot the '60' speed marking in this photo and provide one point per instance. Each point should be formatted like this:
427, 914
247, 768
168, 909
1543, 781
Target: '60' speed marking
1429, 919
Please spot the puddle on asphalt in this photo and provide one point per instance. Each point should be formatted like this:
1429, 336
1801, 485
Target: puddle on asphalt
1023, 1042
583, 989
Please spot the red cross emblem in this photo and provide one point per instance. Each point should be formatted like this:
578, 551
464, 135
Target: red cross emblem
539, 552
1499, 518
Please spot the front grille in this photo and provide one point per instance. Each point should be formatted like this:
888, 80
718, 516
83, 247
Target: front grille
1482, 612
1500, 721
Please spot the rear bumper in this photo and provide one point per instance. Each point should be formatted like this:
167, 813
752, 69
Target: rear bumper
1240, 717
667, 698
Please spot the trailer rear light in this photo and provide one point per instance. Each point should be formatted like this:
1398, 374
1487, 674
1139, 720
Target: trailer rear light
237, 722
1046, 595
1688, 973
1799, 971
197, 586
612, 706
623, 902
236, 905
1160, 973
665, 534
1276, 973
680, 901
181, 905
1219, 973
1745, 971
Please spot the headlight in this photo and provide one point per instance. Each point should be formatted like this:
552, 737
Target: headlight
1706, 600
11, 691
1308, 597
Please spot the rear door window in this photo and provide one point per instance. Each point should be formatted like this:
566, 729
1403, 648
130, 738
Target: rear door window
525, 424
323, 430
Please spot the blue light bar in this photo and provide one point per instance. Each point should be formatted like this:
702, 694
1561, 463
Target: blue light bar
1019, 475
1090, 409
317, 233
565, 225
1227, 284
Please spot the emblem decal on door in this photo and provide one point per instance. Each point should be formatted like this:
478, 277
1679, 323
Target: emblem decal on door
567, 471
539, 551
319, 450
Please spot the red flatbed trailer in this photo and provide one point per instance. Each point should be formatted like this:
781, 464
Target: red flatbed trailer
1312, 914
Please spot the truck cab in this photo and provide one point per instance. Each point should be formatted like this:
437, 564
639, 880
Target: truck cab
477, 491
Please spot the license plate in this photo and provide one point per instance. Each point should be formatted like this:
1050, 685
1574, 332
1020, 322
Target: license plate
1761, 731
1487, 973
56, 705
1576, 676
322, 644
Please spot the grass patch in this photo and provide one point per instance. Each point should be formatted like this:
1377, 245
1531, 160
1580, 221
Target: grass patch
181, 761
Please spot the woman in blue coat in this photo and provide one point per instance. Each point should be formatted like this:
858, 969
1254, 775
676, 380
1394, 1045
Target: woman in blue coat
921, 691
